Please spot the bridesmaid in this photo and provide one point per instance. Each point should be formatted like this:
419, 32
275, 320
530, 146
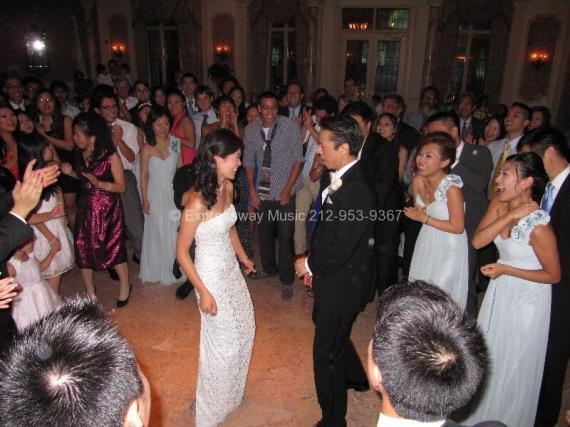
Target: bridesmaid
100, 226
515, 313
182, 126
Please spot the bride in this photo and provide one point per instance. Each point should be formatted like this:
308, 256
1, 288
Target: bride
227, 320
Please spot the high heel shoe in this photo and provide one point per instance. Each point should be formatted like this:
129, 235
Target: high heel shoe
124, 302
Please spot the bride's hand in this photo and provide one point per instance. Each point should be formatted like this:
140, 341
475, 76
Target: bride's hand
523, 210
208, 304
249, 266
416, 213
493, 271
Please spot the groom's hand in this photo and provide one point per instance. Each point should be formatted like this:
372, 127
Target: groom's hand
300, 267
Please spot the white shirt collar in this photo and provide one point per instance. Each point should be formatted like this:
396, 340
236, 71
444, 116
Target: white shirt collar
466, 122
15, 106
386, 421
339, 173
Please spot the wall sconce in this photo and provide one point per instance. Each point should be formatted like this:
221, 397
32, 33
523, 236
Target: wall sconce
36, 52
222, 50
539, 57
118, 49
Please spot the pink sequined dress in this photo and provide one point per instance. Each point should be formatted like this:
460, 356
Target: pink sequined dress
176, 130
99, 223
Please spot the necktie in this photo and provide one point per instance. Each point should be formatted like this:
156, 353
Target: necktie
314, 214
500, 163
548, 198
463, 129
264, 185
204, 120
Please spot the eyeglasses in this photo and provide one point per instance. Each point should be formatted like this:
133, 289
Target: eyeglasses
108, 107
46, 100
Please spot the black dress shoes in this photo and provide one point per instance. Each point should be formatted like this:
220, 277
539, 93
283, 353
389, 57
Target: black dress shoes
113, 274
184, 290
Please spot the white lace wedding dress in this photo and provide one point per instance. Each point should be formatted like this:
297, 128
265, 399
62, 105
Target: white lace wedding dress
226, 339
515, 317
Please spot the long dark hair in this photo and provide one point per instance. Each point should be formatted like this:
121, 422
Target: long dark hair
3, 145
221, 143
155, 113
32, 147
92, 124
530, 165
57, 127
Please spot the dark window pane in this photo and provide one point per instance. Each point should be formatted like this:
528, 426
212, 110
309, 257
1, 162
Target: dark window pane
476, 77
172, 55
291, 58
356, 61
387, 60
458, 64
154, 56
391, 19
277, 53
357, 19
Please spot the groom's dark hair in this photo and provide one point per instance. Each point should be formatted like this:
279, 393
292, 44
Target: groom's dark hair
344, 130
431, 355
71, 368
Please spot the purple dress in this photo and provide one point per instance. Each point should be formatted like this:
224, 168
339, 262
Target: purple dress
99, 222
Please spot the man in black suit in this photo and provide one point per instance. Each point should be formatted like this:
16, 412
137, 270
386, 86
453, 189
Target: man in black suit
406, 135
474, 164
471, 128
295, 97
379, 163
339, 267
426, 359
551, 145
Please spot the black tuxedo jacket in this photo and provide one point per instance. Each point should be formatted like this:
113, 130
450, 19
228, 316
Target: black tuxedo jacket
379, 163
475, 167
407, 136
341, 257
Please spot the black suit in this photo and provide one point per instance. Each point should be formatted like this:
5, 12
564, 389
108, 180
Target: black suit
475, 167
407, 136
284, 111
341, 261
379, 163
558, 349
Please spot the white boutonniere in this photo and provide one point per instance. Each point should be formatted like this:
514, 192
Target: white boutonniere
334, 186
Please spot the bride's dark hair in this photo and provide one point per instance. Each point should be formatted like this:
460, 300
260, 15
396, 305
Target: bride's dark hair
221, 143
530, 165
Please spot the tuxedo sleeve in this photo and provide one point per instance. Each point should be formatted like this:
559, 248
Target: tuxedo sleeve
13, 232
6, 203
477, 173
386, 171
344, 236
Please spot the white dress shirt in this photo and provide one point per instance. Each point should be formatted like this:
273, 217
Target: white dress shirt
130, 139
558, 181
386, 421
15, 106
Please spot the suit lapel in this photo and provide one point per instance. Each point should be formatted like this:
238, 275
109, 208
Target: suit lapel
564, 192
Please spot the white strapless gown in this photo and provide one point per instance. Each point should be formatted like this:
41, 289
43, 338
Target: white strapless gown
226, 339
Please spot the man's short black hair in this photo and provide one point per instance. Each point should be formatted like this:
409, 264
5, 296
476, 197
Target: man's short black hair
359, 108
431, 355
399, 101
295, 83
540, 141
71, 368
100, 92
449, 119
326, 103
344, 130
268, 94
59, 84
188, 75
525, 108
205, 89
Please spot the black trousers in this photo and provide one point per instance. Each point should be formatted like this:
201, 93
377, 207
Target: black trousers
335, 362
386, 241
277, 221
7, 329
557, 354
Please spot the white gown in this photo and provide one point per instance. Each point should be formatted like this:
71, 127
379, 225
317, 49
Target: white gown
37, 297
64, 260
515, 318
440, 258
161, 224
226, 339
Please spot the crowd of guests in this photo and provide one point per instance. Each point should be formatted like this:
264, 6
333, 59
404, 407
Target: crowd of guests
457, 198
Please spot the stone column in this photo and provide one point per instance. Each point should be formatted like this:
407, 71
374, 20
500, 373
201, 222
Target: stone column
90, 31
434, 11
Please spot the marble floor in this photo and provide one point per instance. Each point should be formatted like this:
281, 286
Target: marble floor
164, 332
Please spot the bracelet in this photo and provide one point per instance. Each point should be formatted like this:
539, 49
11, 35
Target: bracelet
427, 220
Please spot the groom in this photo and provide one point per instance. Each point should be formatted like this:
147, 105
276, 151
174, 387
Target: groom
339, 267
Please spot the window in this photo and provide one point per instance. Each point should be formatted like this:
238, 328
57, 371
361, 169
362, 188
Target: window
163, 53
387, 62
391, 19
469, 68
357, 19
282, 61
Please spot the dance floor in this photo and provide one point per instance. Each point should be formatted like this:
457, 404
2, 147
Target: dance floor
164, 332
